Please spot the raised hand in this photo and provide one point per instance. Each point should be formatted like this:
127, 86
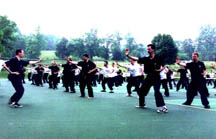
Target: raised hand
127, 52
178, 60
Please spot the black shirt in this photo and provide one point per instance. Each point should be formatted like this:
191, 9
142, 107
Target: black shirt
16, 65
68, 69
183, 73
54, 69
151, 65
86, 67
39, 70
196, 69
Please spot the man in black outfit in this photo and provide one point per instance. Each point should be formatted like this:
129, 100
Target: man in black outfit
39, 75
198, 83
183, 78
15, 68
153, 65
86, 75
69, 75
53, 78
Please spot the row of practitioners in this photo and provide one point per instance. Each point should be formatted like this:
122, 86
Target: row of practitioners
153, 66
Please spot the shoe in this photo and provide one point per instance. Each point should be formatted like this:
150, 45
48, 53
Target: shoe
141, 107
72, 91
103, 90
186, 104
163, 110
66, 91
10, 102
128, 95
207, 107
81, 96
111, 91
15, 105
90, 97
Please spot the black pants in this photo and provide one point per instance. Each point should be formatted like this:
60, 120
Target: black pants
132, 81
30, 76
39, 80
194, 87
53, 81
183, 82
164, 85
45, 77
107, 81
151, 80
100, 78
68, 81
18, 86
34, 79
86, 81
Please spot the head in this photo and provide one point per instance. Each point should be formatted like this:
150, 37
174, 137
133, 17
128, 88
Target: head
105, 63
85, 57
46, 66
39, 65
150, 48
68, 60
113, 64
20, 53
54, 63
195, 56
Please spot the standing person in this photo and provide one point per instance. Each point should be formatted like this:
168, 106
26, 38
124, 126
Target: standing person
53, 78
198, 83
152, 67
86, 75
40, 71
169, 80
34, 75
133, 68
23, 75
15, 68
183, 78
46, 74
69, 75
163, 76
30, 70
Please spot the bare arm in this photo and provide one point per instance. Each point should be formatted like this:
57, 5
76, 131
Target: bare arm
178, 61
127, 53
8, 69
120, 65
92, 70
35, 62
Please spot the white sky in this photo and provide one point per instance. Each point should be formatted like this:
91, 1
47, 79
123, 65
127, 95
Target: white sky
142, 18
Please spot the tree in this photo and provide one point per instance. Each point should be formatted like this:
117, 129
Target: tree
207, 43
188, 47
7, 35
165, 48
61, 49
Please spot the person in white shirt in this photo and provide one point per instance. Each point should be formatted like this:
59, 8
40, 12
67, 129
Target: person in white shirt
134, 70
1, 64
107, 74
114, 75
210, 77
34, 75
30, 72
47, 72
163, 76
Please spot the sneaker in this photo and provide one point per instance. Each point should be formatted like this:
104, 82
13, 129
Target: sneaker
207, 107
103, 90
162, 110
186, 104
18, 105
141, 107
111, 91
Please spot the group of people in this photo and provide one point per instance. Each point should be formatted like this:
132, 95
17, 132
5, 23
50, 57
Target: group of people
88, 73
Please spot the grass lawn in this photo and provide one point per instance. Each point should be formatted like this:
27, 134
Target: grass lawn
53, 114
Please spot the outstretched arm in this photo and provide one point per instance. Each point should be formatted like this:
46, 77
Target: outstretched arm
127, 53
178, 61
120, 65
35, 62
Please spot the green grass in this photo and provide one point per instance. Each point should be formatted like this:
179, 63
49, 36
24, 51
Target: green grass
54, 114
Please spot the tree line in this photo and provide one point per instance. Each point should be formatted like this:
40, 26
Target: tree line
110, 47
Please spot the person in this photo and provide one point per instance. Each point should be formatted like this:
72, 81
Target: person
153, 65
198, 82
69, 75
53, 78
47, 71
39, 75
133, 68
107, 71
86, 75
15, 68
163, 77
30, 71
183, 81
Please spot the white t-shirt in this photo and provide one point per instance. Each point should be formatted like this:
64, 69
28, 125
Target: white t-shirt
107, 71
114, 71
211, 74
163, 74
173, 75
47, 70
1, 64
134, 70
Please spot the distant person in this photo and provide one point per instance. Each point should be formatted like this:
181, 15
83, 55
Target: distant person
53, 78
15, 68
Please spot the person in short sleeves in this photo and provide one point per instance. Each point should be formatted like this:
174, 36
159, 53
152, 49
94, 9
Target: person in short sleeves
198, 82
86, 75
40, 71
15, 68
153, 65
53, 78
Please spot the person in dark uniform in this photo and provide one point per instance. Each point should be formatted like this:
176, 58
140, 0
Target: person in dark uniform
69, 75
86, 75
198, 82
15, 68
39, 75
53, 78
153, 65
183, 81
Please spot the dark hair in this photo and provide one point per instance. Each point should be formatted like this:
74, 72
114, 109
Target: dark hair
195, 53
152, 46
19, 51
86, 55
106, 62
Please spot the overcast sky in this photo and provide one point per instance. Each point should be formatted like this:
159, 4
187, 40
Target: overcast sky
142, 18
